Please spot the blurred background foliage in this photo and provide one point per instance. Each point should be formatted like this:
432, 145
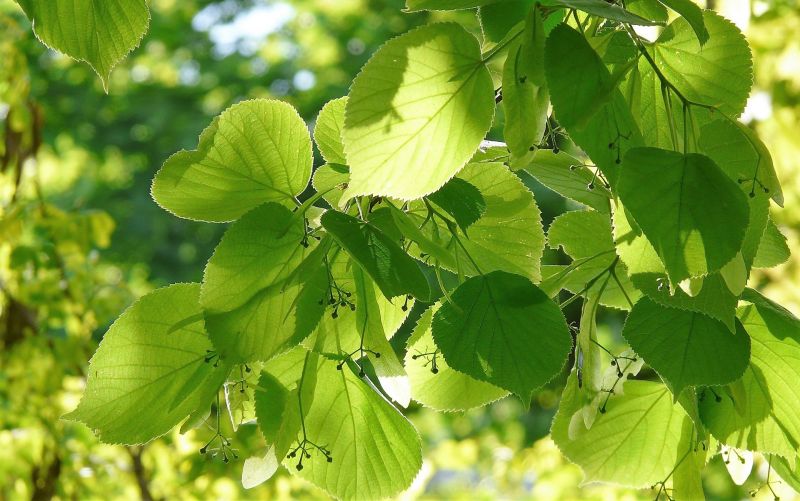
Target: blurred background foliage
80, 238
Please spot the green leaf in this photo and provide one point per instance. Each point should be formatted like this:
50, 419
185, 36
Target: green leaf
583, 279
648, 9
762, 414
331, 180
737, 150
615, 48
788, 471
406, 225
567, 48
328, 131
693, 15
394, 271
586, 237
445, 389
261, 279
274, 404
502, 329
686, 348
259, 250
583, 234
100, 33
718, 73
507, 237
461, 200
687, 479
256, 151
272, 321
634, 443
525, 96
278, 411
498, 18
773, 249
647, 272
417, 112
693, 214
415, 5
603, 9
570, 178
376, 452
150, 370
390, 371
240, 396
595, 114
340, 334
645, 95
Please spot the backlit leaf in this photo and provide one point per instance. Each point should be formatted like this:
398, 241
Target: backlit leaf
417, 112
151, 369
254, 152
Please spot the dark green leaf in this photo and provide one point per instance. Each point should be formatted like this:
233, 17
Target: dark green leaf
394, 271
694, 215
502, 329
686, 348
461, 200
693, 15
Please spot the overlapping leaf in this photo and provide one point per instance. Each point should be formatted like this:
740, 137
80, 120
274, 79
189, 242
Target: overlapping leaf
375, 450
636, 442
525, 96
718, 73
737, 150
570, 178
595, 270
389, 266
502, 329
591, 108
692, 213
509, 234
433, 382
686, 348
759, 412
